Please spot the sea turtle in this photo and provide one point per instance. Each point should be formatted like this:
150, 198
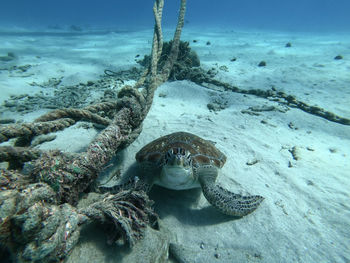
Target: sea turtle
182, 160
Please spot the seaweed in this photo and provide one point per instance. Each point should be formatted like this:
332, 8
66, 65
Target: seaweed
186, 60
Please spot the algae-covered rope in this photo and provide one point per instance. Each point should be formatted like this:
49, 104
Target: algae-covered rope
169, 63
289, 100
36, 229
75, 114
32, 129
74, 175
18, 154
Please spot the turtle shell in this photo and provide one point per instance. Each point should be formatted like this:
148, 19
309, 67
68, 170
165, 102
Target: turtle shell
202, 152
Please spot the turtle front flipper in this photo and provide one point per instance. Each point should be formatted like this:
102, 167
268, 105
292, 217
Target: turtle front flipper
225, 201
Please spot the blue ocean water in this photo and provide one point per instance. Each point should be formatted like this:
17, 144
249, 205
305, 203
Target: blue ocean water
300, 15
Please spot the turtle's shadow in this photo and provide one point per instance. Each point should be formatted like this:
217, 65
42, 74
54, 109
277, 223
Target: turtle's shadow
182, 204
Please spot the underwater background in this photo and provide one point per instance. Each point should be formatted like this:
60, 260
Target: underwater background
275, 100
298, 15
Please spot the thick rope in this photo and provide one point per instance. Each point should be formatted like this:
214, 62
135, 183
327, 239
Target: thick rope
10, 131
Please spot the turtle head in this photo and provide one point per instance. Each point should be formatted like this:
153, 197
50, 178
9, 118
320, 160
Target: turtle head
177, 172
178, 157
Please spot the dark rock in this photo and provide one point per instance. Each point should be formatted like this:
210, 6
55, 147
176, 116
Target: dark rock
338, 57
295, 151
208, 43
252, 162
233, 59
90, 83
309, 182
211, 107
194, 41
333, 150
288, 44
262, 64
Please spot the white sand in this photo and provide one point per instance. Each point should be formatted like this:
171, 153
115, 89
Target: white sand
306, 213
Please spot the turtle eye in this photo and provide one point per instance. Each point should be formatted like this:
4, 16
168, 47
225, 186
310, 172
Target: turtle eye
168, 156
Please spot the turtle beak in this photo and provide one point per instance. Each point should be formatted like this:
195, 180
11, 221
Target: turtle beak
179, 161
178, 157
175, 160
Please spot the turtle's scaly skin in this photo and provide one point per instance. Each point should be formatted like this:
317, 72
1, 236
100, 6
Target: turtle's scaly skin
225, 201
183, 160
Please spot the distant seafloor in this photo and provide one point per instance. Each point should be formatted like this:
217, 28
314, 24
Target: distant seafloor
305, 214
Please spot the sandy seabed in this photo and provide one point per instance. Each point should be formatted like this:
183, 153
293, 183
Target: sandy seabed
305, 216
